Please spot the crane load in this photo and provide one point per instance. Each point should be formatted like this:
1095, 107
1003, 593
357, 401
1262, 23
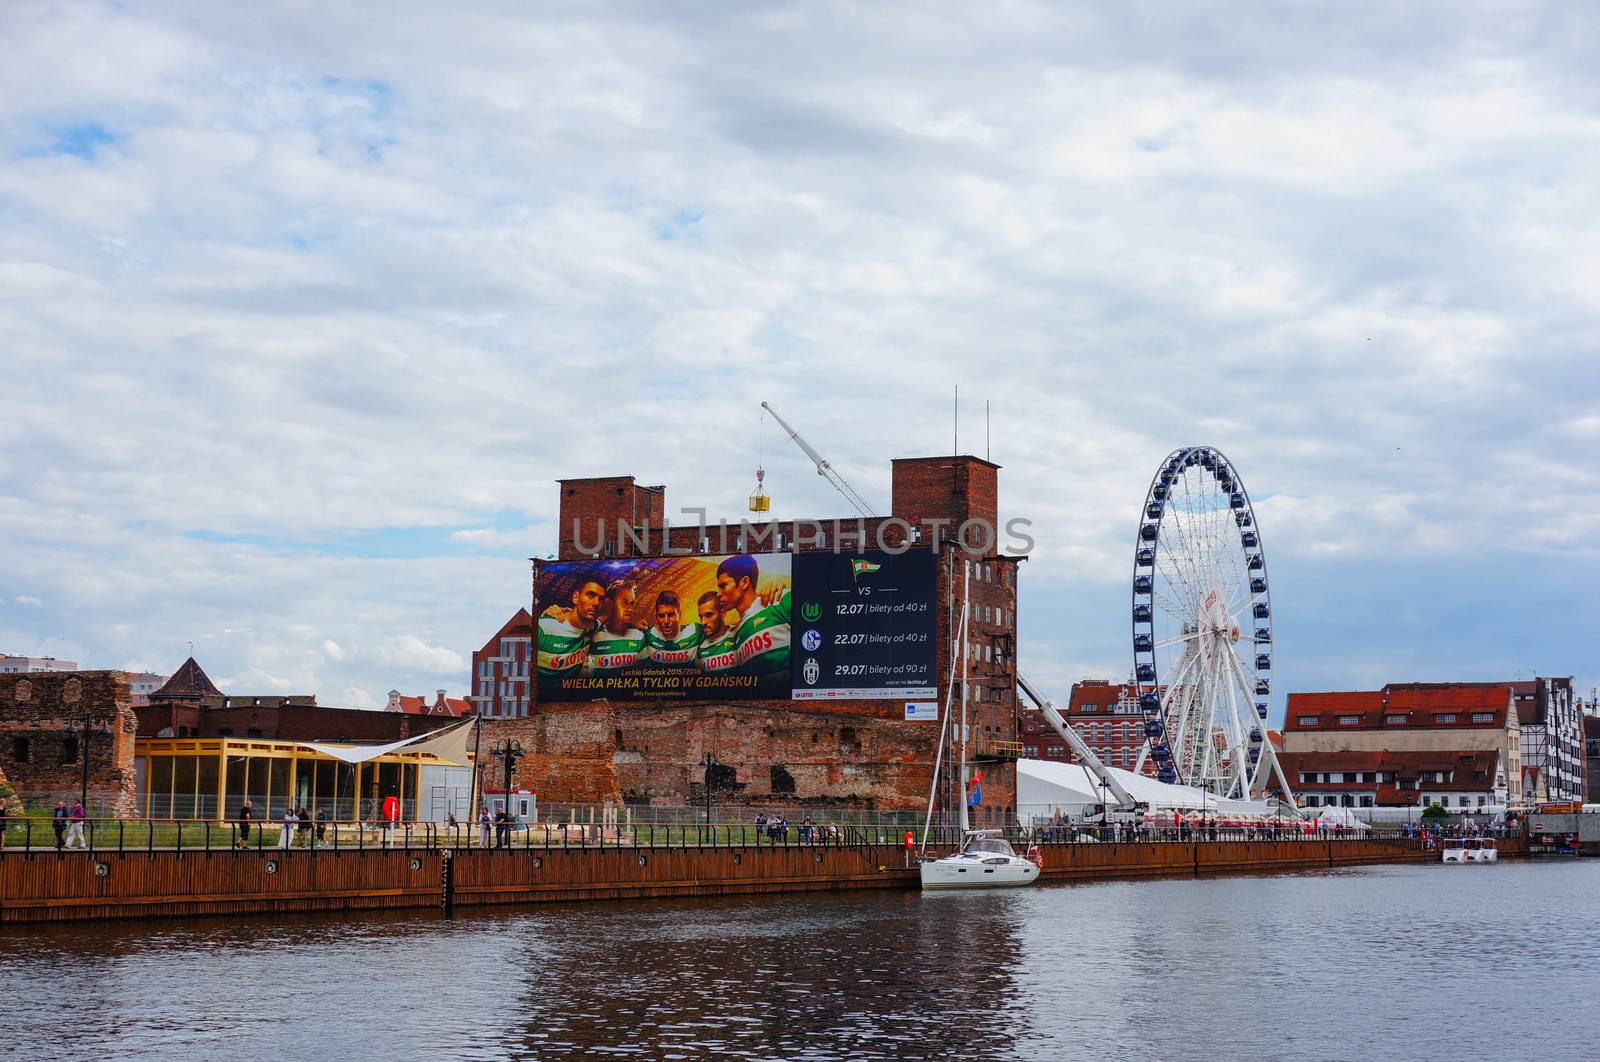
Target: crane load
759, 501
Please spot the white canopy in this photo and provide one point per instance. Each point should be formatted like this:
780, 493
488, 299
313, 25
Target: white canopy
1046, 789
449, 745
1328, 818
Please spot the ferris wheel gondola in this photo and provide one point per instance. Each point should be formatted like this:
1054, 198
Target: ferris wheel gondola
1202, 629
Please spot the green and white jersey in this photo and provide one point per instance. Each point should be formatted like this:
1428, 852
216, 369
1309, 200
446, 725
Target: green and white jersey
719, 654
613, 652
659, 649
562, 647
762, 642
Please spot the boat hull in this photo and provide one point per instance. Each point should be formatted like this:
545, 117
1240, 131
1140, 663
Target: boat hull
1471, 855
973, 874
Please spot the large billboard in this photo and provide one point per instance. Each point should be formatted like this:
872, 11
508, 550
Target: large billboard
685, 628
767, 626
865, 625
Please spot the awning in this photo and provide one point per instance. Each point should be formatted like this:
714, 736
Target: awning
449, 745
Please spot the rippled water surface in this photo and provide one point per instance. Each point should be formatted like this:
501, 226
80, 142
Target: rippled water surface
1382, 962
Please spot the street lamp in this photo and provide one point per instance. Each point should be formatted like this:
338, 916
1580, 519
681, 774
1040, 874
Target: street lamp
509, 750
93, 726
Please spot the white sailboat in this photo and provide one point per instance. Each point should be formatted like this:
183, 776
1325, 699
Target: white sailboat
986, 860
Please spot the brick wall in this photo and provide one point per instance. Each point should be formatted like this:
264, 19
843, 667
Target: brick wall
855, 754
43, 761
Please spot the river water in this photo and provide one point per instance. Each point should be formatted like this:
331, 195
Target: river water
1403, 962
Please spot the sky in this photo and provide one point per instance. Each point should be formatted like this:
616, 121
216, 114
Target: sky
303, 310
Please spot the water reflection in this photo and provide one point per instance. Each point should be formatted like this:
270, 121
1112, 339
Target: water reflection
1370, 963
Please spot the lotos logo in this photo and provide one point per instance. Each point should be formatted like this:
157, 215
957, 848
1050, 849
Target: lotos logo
811, 611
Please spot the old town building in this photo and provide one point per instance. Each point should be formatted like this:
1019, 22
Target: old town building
502, 670
1105, 714
864, 752
67, 732
1405, 745
190, 706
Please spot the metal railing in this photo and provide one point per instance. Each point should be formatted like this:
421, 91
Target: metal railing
35, 835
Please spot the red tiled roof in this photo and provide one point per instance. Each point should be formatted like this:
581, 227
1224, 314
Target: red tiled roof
190, 680
1420, 704
455, 707
1405, 765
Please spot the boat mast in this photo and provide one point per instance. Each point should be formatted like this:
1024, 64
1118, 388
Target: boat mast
966, 610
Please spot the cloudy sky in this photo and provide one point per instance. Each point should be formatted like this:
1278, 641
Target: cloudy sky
304, 309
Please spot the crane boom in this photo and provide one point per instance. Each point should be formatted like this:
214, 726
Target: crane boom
824, 469
1084, 753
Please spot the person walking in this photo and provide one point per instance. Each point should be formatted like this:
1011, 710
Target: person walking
290, 822
484, 822
246, 813
75, 820
502, 829
322, 824
58, 821
303, 834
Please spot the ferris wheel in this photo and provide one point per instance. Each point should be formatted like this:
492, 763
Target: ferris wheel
1202, 629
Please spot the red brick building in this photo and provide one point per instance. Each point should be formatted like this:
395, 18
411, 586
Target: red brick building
502, 671
54, 724
1105, 714
190, 706
1403, 746
851, 753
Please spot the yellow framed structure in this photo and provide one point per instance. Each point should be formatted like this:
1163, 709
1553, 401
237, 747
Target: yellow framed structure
210, 778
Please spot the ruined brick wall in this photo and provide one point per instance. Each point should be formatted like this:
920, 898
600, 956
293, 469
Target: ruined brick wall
856, 754
44, 762
567, 755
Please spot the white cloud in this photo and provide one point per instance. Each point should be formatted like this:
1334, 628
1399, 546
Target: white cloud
412, 653
316, 313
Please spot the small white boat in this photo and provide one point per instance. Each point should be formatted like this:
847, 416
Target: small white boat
1471, 850
986, 861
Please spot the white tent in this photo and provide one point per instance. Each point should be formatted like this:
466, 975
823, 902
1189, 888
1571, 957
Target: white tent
1046, 789
449, 745
1328, 818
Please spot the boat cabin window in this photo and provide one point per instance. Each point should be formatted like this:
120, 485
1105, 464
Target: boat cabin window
990, 846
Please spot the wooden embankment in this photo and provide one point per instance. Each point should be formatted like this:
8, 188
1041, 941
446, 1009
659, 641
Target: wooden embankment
74, 886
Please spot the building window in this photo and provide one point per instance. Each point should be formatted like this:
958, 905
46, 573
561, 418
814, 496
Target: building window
1444, 717
1308, 720
1483, 717
21, 749
1349, 720
69, 749
1396, 719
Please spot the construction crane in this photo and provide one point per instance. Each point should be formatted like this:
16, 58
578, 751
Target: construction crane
1086, 756
824, 469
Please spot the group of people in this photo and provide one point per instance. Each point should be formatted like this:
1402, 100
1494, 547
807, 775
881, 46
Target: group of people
776, 830
300, 828
68, 824
500, 822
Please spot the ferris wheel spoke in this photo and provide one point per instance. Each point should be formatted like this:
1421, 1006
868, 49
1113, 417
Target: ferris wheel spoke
1179, 640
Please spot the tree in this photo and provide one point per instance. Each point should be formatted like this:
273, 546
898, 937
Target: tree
1434, 811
